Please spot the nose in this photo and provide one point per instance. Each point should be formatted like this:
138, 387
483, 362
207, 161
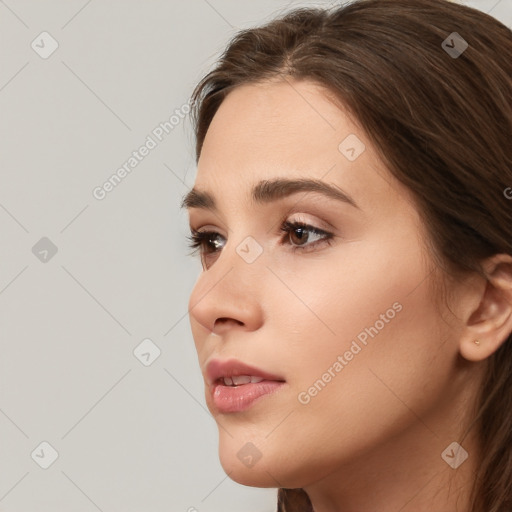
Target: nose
229, 294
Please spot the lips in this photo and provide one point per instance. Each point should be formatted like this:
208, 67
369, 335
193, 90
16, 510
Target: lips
217, 369
236, 386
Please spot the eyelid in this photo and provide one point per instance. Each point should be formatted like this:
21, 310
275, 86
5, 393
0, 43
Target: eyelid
207, 225
301, 218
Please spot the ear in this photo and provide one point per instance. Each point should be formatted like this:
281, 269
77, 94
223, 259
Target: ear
490, 322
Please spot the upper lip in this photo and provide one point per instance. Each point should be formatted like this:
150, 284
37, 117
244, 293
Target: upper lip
217, 369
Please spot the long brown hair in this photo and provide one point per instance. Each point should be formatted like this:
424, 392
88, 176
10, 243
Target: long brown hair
440, 115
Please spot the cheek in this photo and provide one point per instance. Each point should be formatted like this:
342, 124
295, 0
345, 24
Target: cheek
359, 291
379, 317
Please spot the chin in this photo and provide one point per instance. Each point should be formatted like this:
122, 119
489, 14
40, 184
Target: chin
267, 471
255, 476
248, 466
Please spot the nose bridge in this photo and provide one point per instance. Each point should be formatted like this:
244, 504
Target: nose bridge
246, 257
241, 267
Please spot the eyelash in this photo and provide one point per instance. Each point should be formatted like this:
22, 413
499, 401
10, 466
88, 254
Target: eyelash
198, 239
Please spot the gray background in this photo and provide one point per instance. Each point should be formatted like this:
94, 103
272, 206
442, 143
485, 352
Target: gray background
129, 437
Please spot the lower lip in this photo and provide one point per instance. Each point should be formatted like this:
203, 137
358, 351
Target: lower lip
239, 398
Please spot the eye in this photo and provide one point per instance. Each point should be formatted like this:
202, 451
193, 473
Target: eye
207, 242
303, 232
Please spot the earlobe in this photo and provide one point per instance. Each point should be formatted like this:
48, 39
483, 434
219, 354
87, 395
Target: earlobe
490, 324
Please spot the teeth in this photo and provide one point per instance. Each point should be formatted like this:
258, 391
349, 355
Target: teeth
240, 379
237, 380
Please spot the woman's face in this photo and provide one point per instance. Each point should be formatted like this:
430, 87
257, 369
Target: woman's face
343, 315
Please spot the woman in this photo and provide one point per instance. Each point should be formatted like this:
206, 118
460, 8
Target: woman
353, 210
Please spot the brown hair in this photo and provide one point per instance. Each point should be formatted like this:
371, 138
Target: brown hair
441, 122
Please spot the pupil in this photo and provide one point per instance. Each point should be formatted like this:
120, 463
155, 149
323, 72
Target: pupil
301, 235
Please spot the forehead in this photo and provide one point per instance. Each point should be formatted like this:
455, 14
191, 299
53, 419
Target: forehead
283, 122
261, 131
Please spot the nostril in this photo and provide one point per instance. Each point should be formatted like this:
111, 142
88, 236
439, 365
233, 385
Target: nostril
224, 321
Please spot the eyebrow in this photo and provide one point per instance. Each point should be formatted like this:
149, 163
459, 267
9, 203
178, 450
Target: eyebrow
267, 191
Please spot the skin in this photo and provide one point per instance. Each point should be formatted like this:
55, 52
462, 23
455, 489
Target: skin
372, 438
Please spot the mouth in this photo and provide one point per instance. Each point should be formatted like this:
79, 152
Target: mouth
235, 386
229, 398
